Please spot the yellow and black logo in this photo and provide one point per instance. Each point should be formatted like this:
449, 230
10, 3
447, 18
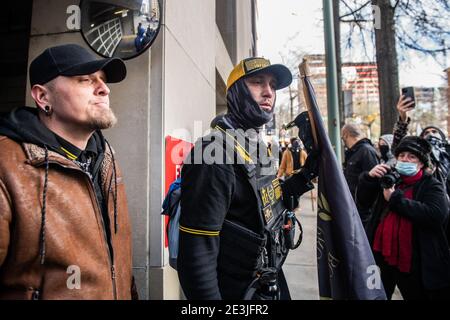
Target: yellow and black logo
253, 64
271, 193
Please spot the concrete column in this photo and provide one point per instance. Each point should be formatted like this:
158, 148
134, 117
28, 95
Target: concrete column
183, 83
244, 30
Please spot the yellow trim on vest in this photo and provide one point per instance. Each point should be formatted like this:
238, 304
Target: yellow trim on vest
69, 155
199, 232
244, 154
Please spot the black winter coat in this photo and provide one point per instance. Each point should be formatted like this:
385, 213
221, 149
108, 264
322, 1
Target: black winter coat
359, 158
428, 211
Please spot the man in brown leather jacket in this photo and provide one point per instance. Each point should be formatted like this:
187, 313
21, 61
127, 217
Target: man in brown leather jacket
65, 232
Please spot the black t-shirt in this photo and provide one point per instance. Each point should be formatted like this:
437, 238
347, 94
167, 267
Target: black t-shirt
84, 158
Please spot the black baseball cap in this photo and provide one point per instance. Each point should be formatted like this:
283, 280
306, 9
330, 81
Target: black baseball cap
254, 65
73, 60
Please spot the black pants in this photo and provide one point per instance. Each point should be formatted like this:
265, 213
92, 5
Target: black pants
410, 284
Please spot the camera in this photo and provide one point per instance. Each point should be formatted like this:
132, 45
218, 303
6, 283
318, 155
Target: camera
390, 179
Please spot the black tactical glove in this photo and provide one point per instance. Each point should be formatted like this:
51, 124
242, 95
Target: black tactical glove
305, 131
311, 167
300, 182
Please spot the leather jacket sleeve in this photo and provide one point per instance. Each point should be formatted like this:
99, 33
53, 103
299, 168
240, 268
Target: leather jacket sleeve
5, 222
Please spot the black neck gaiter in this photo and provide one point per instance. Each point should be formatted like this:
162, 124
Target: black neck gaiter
243, 111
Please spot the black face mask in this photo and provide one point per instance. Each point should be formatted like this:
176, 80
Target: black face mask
243, 111
384, 149
295, 145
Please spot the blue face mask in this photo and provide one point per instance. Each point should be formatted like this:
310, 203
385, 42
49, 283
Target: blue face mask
406, 168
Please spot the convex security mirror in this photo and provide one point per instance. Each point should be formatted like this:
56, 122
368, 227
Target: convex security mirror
120, 28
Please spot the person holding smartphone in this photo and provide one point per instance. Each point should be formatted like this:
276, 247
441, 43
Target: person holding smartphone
440, 157
406, 225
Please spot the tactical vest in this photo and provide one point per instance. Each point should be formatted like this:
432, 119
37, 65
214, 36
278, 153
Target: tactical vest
248, 262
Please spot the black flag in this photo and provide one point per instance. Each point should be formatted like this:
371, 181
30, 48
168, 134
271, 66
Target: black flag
345, 263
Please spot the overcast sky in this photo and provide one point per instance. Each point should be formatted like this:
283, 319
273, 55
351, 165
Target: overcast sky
298, 24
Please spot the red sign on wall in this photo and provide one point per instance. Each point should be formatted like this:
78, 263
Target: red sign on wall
176, 151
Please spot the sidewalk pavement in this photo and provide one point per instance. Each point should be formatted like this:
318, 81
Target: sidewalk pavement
300, 267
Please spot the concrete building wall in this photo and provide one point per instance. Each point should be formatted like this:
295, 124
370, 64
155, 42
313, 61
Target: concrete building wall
226, 23
190, 43
188, 96
174, 88
244, 29
235, 40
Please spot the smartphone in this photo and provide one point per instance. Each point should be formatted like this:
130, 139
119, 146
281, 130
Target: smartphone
408, 92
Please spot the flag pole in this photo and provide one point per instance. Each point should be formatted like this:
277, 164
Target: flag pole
306, 72
332, 81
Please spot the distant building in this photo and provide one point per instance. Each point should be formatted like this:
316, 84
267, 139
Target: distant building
361, 96
431, 108
361, 79
359, 83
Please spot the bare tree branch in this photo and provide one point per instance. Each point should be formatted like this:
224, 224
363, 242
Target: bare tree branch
353, 12
356, 21
430, 51
425, 22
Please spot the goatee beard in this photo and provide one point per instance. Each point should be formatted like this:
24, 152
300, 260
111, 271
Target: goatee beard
103, 119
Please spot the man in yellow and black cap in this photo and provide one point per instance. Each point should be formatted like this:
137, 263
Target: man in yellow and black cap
235, 226
250, 75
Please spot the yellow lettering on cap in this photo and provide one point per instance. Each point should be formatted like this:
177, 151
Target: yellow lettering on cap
251, 65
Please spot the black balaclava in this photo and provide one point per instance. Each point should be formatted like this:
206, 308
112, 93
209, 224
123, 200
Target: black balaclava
243, 111
384, 151
295, 145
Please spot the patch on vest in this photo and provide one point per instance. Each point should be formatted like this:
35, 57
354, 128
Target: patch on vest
270, 196
268, 214
271, 193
